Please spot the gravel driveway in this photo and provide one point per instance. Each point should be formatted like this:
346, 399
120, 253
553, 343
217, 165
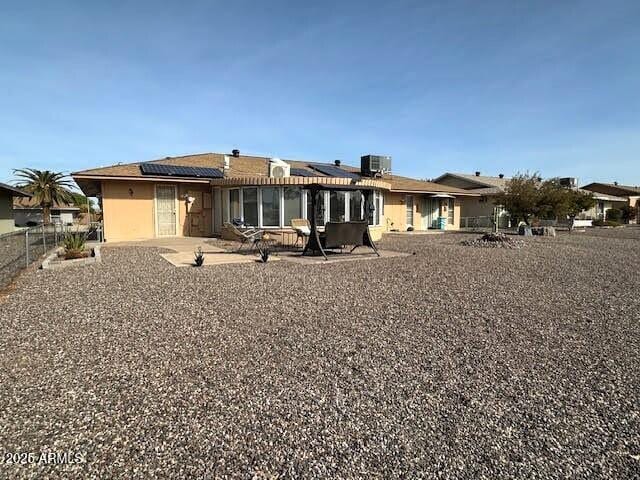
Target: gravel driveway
455, 362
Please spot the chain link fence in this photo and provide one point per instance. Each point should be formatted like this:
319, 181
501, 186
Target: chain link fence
21, 248
486, 223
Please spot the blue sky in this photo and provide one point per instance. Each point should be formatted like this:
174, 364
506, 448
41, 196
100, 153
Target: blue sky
493, 86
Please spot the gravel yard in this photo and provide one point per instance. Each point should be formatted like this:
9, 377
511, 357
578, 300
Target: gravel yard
455, 362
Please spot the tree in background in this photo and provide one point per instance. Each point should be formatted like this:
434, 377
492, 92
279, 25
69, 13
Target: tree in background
629, 213
47, 188
521, 197
82, 201
527, 197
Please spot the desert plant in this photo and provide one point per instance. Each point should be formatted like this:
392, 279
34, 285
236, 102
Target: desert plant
265, 253
199, 257
47, 188
74, 243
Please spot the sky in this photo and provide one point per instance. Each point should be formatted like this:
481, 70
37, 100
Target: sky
492, 86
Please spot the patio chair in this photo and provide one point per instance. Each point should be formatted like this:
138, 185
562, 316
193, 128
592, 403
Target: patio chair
302, 228
245, 237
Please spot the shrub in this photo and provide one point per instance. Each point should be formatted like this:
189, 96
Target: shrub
614, 214
199, 257
74, 244
605, 223
628, 213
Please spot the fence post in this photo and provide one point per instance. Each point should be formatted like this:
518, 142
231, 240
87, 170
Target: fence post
26, 243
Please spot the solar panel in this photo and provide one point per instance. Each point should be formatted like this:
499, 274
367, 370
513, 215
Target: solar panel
301, 172
179, 171
334, 171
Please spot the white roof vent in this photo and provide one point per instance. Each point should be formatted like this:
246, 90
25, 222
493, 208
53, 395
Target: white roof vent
279, 168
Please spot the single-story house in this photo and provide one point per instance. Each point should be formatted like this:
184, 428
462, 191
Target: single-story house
610, 195
481, 206
28, 212
7, 194
196, 195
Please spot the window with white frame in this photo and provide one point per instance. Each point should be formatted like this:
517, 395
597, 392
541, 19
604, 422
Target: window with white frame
250, 206
355, 206
320, 207
234, 204
271, 206
337, 206
277, 206
292, 203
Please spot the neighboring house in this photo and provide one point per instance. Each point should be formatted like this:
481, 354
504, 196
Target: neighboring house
484, 187
7, 194
28, 212
603, 204
613, 195
195, 195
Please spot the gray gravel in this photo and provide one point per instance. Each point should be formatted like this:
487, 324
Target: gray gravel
454, 362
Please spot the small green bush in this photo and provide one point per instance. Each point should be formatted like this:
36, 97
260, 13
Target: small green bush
74, 243
605, 223
614, 214
199, 257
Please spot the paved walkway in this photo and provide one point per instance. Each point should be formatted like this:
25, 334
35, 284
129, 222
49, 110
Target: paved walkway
184, 248
178, 244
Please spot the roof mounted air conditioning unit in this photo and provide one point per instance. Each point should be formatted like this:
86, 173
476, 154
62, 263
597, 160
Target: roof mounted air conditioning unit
279, 168
375, 165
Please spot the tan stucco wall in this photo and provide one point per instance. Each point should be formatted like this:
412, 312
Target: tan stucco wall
128, 215
129, 210
474, 207
6, 213
395, 212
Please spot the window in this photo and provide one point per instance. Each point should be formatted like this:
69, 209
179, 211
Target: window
337, 206
355, 206
377, 201
271, 207
250, 206
292, 204
451, 212
319, 208
234, 204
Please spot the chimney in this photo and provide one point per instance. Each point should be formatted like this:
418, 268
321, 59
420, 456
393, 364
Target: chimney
501, 175
477, 174
225, 166
337, 163
235, 152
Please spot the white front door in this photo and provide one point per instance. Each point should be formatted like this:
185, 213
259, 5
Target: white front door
409, 203
166, 210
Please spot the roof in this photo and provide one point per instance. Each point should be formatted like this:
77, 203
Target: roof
603, 196
30, 203
15, 192
245, 166
407, 184
480, 180
487, 190
613, 189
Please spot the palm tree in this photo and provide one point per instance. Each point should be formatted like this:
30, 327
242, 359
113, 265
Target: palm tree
47, 188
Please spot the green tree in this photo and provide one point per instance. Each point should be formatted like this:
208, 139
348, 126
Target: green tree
629, 213
521, 197
82, 201
46, 187
527, 197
